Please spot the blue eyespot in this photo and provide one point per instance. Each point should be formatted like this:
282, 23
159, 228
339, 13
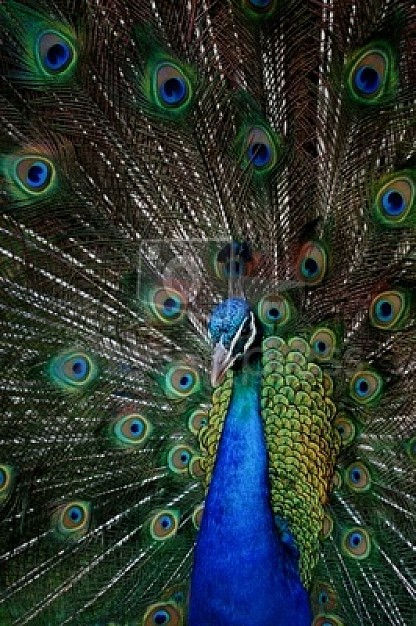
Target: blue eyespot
361, 387
310, 267
166, 522
2, 477
75, 514
319, 346
367, 80
80, 368
186, 381
259, 154
172, 306
355, 539
37, 175
136, 428
355, 475
58, 56
173, 90
273, 314
393, 202
55, 53
384, 311
161, 617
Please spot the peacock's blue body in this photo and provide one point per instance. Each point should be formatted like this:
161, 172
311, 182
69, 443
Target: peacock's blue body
238, 543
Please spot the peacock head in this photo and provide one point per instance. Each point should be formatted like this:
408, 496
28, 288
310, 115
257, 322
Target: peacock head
234, 331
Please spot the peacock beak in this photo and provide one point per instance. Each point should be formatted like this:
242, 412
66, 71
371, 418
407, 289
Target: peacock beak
221, 361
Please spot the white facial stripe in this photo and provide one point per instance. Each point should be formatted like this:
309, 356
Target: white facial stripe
231, 360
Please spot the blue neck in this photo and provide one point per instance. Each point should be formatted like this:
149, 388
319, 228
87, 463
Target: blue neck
243, 573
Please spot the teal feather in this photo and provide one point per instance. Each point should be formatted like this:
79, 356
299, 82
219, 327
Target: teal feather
195, 194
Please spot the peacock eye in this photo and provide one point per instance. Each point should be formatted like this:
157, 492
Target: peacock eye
356, 543
72, 520
388, 309
73, 369
197, 420
164, 525
358, 477
274, 309
323, 343
369, 75
179, 458
261, 151
181, 381
325, 597
366, 386
312, 263
132, 430
55, 52
346, 429
162, 613
395, 200
34, 174
172, 86
167, 305
7, 478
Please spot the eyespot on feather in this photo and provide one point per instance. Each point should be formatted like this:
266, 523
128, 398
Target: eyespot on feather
163, 613
357, 477
196, 469
312, 263
261, 150
131, 430
167, 305
197, 420
181, 381
366, 386
371, 75
34, 174
346, 428
7, 481
356, 543
55, 53
388, 309
164, 524
323, 343
72, 520
172, 87
394, 204
72, 370
274, 310
179, 458
324, 597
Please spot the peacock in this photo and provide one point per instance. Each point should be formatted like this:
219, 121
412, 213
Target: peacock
208, 337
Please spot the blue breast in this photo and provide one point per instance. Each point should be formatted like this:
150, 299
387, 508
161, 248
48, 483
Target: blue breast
243, 574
